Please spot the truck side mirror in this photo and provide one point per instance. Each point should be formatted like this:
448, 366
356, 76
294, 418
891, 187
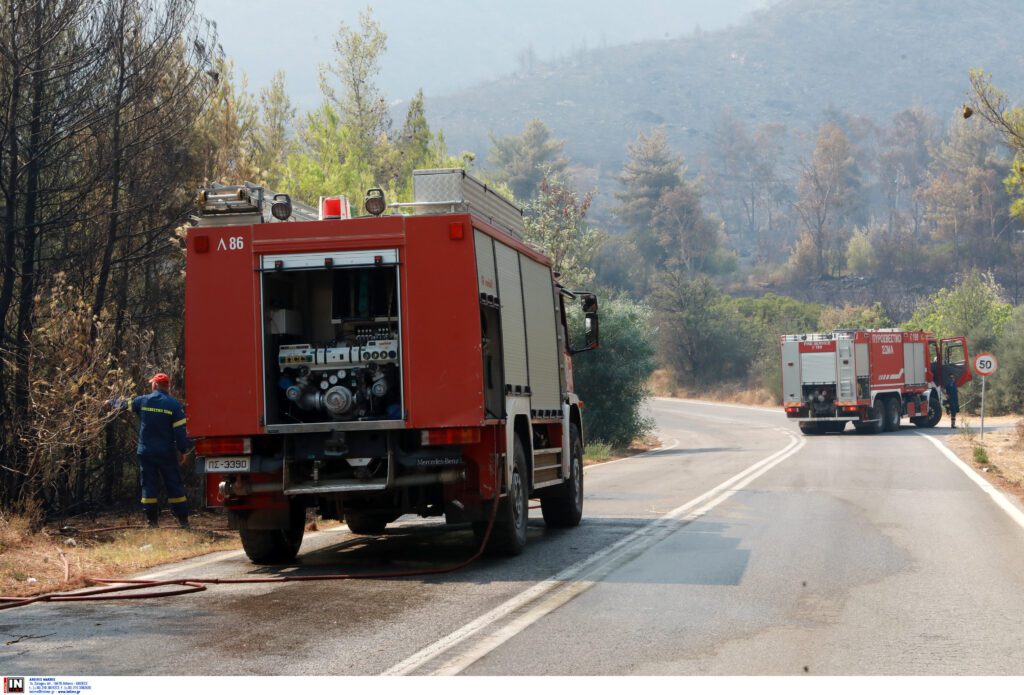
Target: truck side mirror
593, 336
588, 301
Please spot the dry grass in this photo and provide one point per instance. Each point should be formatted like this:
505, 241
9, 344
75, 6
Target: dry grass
1001, 452
599, 452
662, 384
40, 562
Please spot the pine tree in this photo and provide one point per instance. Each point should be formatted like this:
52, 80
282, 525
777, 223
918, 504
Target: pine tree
521, 161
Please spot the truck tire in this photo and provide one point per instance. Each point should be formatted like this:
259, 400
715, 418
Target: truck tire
365, 524
934, 413
275, 546
876, 419
892, 414
508, 537
811, 428
563, 506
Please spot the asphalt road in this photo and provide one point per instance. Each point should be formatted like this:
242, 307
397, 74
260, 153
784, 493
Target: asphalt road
740, 548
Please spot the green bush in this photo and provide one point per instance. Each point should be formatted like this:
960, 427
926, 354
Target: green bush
1007, 384
612, 380
975, 308
703, 339
766, 318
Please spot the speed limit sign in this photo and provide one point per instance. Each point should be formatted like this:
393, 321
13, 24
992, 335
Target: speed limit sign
985, 364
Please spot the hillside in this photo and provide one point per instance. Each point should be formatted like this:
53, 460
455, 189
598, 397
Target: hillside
785, 64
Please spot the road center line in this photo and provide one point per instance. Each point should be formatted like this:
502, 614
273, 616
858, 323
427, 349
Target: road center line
558, 589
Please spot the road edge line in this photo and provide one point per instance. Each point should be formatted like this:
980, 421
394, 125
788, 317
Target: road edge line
673, 445
1012, 510
205, 559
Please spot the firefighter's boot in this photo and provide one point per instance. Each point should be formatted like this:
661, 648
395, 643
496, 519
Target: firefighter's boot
152, 515
182, 520
952, 422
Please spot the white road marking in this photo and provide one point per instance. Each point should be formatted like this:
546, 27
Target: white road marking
998, 497
221, 556
558, 589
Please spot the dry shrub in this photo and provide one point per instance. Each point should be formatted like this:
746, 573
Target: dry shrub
70, 376
661, 383
664, 383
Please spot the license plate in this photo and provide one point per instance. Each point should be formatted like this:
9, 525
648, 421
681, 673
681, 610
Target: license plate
228, 464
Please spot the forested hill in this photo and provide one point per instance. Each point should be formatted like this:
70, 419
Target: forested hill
784, 64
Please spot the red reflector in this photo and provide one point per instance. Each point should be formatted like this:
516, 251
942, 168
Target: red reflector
201, 244
456, 231
224, 445
450, 435
792, 410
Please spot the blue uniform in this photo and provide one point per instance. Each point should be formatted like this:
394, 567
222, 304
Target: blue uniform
161, 438
953, 397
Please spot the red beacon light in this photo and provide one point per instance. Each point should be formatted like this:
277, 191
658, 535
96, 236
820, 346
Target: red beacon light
334, 207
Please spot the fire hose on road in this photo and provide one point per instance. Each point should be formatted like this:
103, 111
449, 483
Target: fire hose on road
120, 588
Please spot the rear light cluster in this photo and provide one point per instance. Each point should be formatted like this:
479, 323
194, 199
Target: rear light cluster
450, 435
218, 446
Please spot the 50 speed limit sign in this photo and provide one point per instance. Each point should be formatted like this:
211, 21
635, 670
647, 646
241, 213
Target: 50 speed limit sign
985, 364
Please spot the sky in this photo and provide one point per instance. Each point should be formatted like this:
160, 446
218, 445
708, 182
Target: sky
445, 45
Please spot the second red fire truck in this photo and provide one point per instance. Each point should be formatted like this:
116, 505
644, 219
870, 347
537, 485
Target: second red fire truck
872, 378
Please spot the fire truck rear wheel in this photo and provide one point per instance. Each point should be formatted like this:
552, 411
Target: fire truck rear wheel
275, 546
812, 427
563, 506
892, 414
508, 537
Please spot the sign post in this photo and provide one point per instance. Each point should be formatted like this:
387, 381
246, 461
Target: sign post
985, 364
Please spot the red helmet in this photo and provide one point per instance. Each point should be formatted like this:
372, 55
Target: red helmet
160, 379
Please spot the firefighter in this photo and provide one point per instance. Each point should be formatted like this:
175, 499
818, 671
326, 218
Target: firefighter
163, 445
952, 400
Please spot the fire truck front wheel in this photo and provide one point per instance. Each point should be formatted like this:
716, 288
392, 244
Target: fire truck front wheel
275, 546
563, 506
508, 537
934, 413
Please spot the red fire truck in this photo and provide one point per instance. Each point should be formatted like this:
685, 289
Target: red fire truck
871, 378
417, 362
